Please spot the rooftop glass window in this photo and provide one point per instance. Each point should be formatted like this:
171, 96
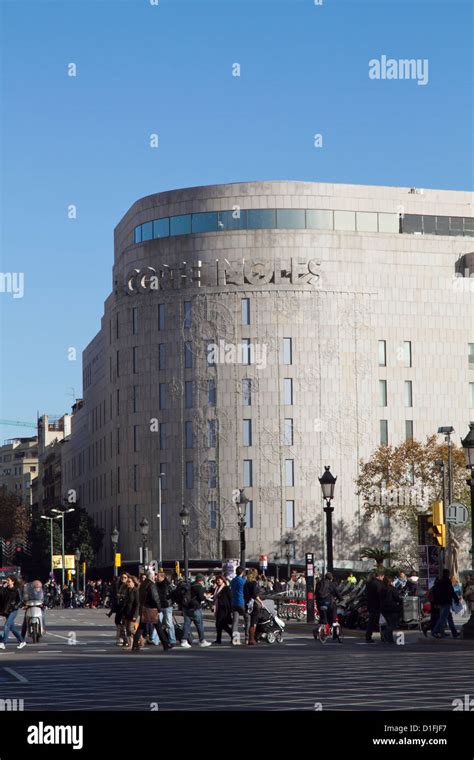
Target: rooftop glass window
147, 231
232, 220
319, 220
180, 225
262, 219
204, 222
138, 234
161, 227
289, 219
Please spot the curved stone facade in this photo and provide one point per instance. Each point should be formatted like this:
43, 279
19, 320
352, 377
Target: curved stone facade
298, 312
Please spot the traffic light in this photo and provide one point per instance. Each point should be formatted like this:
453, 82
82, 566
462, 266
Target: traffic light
437, 526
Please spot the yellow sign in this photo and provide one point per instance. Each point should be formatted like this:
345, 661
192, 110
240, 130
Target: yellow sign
83, 568
177, 568
118, 559
69, 562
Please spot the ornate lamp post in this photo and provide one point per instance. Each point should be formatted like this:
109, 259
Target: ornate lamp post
328, 481
241, 505
144, 527
184, 516
114, 538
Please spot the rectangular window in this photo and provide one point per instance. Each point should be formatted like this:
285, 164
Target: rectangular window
117, 363
135, 438
408, 393
135, 477
246, 432
246, 392
232, 220
118, 516
138, 234
147, 231
289, 472
382, 393
189, 475
164, 473
134, 360
211, 354
211, 434
188, 435
249, 514
407, 353
135, 320
135, 517
118, 479
290, 513
135, 398
471, 395
382, 353
161, 356
245, 310
383, 432
188, 314
212, 512
246, 351
118, 441
161, 227
288, 432
212, 471
188, 394
118, 401
261, 219
204, 222
180, 225
248, 473
161, 316
288, 391
188, 355
471, 355
162, 435
211, 392
117, 325
409, 430
162, 396
366, 221
287, 351
290, 219
344, 220
319, 220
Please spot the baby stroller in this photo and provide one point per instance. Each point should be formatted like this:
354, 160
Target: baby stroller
269, 627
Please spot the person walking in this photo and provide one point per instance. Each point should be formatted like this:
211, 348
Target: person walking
119, 590
390, 606
238, 606
166, 615
12, 601
253, 603
193, 597
373, 590
130, 611
222, 608
444, 596
149, 609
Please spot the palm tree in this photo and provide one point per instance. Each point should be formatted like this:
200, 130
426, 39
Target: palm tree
377, 554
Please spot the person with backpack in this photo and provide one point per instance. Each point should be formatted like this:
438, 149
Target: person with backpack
166, 615
192, 597
149, 609
326, 594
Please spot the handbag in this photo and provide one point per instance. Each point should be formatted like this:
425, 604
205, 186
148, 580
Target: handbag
149, 615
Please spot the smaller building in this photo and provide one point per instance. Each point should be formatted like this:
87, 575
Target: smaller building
47, 488
19, 466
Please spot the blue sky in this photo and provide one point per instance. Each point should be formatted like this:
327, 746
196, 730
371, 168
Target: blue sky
167, 69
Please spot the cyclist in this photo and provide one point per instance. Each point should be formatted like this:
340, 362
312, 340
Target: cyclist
326, 594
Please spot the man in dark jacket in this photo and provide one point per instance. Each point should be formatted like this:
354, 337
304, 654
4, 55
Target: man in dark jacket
149, 607
192, 612
373, 590
12, 601
326, 593
390, 606
444, 596
166, 615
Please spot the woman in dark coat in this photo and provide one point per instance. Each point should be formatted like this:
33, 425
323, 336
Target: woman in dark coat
130, 610
390, 606
222, 608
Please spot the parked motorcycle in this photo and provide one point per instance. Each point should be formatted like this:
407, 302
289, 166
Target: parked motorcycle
34, 620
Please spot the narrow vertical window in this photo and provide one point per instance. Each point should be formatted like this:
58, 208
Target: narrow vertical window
161, 316
408, 393
162, 396
211, 392
288, 432
246, 432
246, 351
162, 435
212, 513
188, 434
382, 353
248, 473
135, 437
188, 355
383, 432
246, 392
289, 472
211, 434
407, 357
290, 513
135, 477
288, 391
212, 471
188, 394
134, 360
162, 356
287, 351
135, 398
135, 320
189, 475
409, 430
245, 310
188, 314
382, 393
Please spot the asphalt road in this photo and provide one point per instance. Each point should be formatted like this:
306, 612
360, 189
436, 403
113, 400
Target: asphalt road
299, 674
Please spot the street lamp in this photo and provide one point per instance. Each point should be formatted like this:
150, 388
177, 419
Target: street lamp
45, 517
468, 445
184, 516
61, 513
328, 482
78, 558
114, 538
160, 544
144, 527
241, 505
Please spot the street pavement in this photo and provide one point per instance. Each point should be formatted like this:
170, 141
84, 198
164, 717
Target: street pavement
78, 667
